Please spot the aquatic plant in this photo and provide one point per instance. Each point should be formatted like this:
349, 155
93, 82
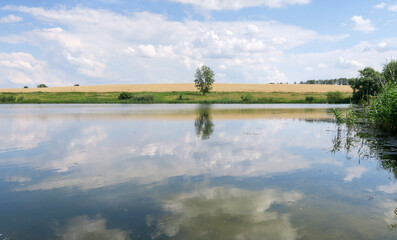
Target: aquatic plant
338, 115
382, 110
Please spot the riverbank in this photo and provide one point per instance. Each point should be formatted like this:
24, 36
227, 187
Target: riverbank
176, 97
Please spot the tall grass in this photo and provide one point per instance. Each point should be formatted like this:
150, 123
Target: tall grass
382, 110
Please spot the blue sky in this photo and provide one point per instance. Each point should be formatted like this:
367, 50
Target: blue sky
91, 42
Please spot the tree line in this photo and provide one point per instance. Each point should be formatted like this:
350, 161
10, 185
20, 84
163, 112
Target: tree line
336, 81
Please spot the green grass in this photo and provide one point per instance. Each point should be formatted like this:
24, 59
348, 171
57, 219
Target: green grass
168, 97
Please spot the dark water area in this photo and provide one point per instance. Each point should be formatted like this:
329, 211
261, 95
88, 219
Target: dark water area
193, 172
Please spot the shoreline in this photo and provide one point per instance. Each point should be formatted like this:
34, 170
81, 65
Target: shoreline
174, 97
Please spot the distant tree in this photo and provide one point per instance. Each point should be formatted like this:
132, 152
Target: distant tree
390, 71
42, 86
25, 87
76, 85
369, 83
204, 78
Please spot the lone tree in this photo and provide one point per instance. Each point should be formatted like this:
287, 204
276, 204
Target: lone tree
42, 86
204, 79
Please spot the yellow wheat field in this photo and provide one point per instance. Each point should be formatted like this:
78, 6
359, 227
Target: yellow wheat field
169, 87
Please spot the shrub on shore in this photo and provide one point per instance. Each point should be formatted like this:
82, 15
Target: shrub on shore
125, 96
309, 99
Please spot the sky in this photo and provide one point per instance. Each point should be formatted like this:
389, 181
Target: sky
91, 42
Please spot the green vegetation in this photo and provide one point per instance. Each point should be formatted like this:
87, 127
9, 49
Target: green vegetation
336, 97
42, 86
125, 96
390, 71
369, 83
165, 97
336, 81
204, 78
378, 94
309, 99
382, 110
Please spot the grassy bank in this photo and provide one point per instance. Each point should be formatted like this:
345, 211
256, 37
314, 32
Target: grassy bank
175, 97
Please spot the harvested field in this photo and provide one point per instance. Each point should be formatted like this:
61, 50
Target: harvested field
186, 87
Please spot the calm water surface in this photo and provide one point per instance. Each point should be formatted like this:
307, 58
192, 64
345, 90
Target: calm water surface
189, 172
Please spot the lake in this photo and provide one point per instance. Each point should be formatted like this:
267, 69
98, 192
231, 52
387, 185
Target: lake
191, 172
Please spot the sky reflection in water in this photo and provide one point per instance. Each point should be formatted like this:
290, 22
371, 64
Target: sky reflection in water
186, 172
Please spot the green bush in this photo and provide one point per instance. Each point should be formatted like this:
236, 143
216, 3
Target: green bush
335, 97
309, 98
25, 87
125, 96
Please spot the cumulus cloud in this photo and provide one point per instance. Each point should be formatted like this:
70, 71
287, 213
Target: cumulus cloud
362, 25
101, 44
220, 5
20, 68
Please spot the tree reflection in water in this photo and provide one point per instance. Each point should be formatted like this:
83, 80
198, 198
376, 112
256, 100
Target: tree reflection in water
203, 123
368, 143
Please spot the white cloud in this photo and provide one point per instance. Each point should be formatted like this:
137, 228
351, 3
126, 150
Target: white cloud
219, 5
10, 19
381, 5
103, 44
344, 63
354, 172
390, 7
362, 25
21, 68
